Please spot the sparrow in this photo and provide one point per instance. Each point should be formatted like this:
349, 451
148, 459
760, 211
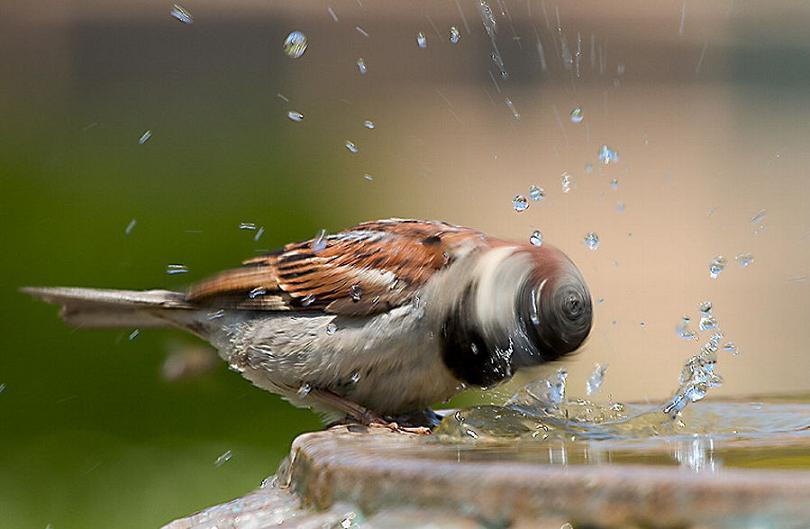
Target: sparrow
378, 321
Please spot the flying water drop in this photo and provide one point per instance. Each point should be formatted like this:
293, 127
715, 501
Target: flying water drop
536, 193
173, 269
421, 40
295, 45
369, 124
567, 182
181, 14
331, 328
350, 145
224, 458
361, 66
356, 293
145, 137
536, 238
717, 266
596, 379
455, 35
744, 259
520, 203
607, 155
591, 240
295, 116
576, 115
319, 242
512, 109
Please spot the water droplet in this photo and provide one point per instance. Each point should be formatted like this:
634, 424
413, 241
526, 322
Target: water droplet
350, 145
216, 315
295, 116
731, 347
591, 240
331, 328
566, 525
684, 331
717, 265
2, 388
355, 378
536, 238
361, 66
332, 14
173, 269
596, 379
512, 109
707, 322
642, 323
257, 292
520, 203
536, 193
247, 226
589, 167
356, 293
224, 458
295, 45
259, 234
368, 177
307, 300
607, 155
319, 242
130, 227
600, 301
567, 181
744, 259
455, 35
181, 14
576, 115
620, 207
421, 40
145, 137
362, 31
759, 217
303, 390
614, 184
705, 307
134, 334
368, 124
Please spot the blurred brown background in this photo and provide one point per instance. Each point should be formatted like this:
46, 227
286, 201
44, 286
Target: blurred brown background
706, 104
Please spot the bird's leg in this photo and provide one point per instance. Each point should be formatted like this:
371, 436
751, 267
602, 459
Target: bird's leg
352, 410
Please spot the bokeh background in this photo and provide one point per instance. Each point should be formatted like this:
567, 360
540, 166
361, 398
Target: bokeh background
707, 104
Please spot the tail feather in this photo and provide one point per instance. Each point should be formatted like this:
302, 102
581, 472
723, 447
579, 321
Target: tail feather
92, 307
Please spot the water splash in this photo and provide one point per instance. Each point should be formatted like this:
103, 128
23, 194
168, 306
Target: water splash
596, 379
566, 182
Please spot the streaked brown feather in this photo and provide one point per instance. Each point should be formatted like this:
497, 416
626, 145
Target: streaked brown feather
387, 260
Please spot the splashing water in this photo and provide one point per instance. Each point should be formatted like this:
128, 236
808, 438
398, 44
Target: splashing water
173, 269
361, 66
577, 115
224, 458
511, 107
683, 330
319, 242
421, 40
146, 136
596, 379
520, 203
295, 116
352, 147
540, 411
455, 35
369, 124
536, 238
295, 45
591, 240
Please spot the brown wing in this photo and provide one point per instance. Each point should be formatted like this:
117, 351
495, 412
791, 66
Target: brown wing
363, 270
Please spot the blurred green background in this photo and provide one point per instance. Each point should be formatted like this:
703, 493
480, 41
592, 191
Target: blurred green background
706, 103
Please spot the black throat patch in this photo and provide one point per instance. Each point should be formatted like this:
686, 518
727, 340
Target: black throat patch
466, 352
